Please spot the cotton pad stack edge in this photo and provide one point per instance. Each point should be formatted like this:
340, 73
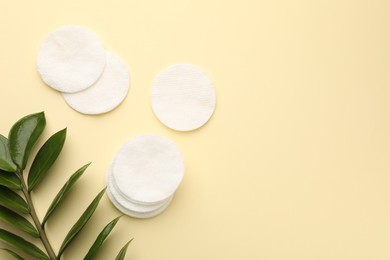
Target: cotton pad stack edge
144, 176
73, 61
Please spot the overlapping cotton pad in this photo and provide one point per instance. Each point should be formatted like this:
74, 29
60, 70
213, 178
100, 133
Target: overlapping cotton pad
105, 94
127, 203
71, 59
148, 169
144, 176
132, 213
183, 97
133, 209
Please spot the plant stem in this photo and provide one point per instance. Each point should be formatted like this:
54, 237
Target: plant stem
33, 214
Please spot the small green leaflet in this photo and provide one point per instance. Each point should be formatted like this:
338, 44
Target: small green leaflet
122, 253
13, 201
22, 245
45, 158
6, 162
80, 223
10, 180
17, 221
100, 239
23, 136
64, 191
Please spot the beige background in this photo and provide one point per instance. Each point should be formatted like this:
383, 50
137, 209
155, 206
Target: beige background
294, 163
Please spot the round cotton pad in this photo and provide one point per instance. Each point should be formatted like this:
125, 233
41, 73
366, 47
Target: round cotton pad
133, 213
129, 205
71, 59
148, 169
106, 94
183, 97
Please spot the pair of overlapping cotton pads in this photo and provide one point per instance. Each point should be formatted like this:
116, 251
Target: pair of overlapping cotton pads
144, 176
73, 60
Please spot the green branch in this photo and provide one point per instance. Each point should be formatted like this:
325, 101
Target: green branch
33, 214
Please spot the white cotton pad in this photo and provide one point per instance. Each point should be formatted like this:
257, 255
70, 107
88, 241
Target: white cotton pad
105, 94
148, 169
71, 59
183, 97
133, 213
129, 205
133, 205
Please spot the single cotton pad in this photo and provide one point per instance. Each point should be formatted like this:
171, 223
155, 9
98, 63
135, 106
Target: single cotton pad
183, 97
71, 59
129, 205
148, 169
107, 93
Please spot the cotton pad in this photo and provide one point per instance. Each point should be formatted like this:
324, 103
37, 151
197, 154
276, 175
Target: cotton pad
71, 59
125, 203
148, 169
133, 205
183, 97
105, 94
133, 213
129, 205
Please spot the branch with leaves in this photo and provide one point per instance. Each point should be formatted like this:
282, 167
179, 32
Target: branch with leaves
15, 194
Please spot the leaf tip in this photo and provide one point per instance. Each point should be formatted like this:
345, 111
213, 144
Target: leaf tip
41, 115
63, 131
128, 243
117, 218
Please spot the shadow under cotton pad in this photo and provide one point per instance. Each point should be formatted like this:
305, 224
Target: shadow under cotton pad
106, 94
183, 97
71, 59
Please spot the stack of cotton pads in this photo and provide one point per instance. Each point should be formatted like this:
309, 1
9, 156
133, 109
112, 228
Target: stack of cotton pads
73, 60
144, 176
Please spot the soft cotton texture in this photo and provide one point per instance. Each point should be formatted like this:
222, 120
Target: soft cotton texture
183, 97
127, 204
105, 94
71, 59
134, 213
148, 169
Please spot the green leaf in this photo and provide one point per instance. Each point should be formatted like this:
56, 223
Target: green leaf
123, 251
81, 222
10, 180
15, 255
17, 221
100, 239
6, 162
23, 136
13, 201
64, 191
22, 245
45, 158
